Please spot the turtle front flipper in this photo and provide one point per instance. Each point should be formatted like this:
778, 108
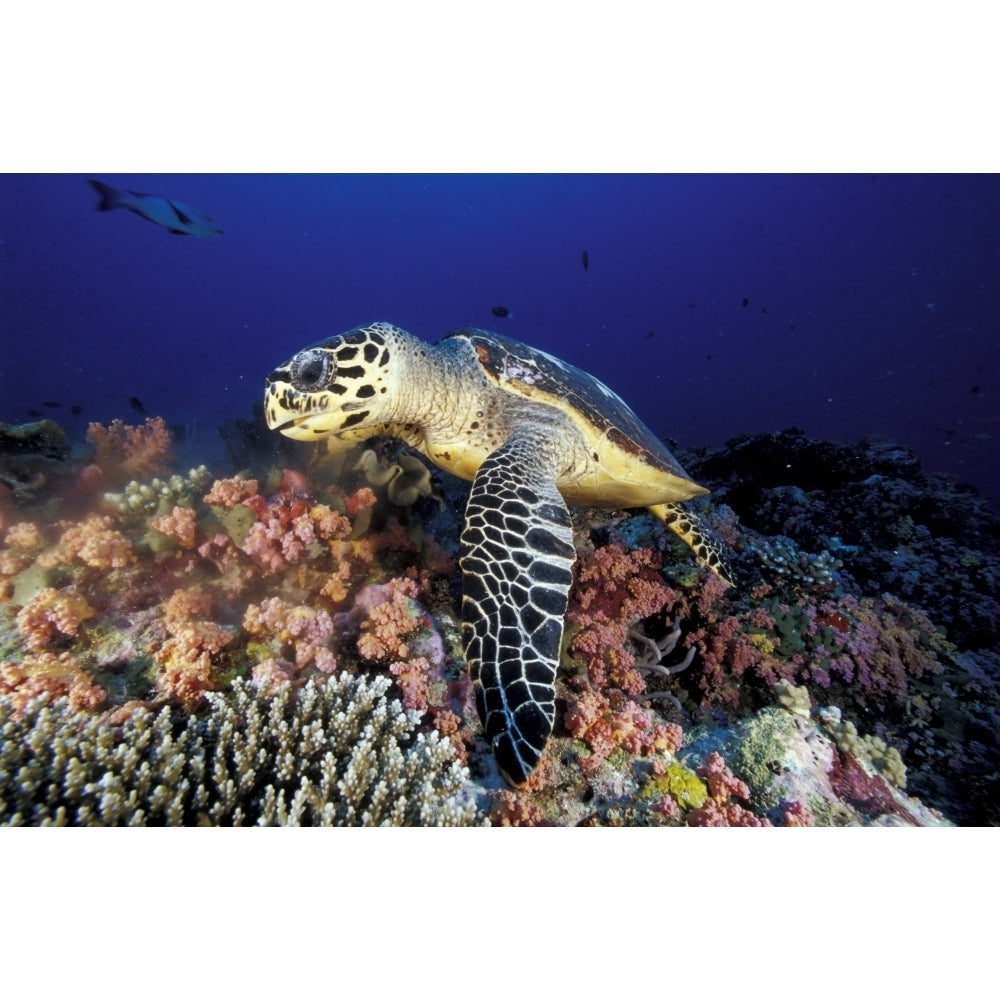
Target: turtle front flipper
517, 561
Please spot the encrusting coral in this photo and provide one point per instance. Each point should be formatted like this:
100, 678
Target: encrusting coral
333, 753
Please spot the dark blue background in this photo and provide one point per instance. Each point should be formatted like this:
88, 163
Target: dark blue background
873, 300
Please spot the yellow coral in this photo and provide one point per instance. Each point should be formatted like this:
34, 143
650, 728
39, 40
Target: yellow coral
763, 642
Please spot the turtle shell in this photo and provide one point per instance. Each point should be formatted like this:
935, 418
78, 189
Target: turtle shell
620, 441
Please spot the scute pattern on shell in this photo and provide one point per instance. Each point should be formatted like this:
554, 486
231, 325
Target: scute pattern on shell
527, 371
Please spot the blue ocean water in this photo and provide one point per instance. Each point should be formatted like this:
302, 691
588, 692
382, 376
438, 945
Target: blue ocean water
845, 305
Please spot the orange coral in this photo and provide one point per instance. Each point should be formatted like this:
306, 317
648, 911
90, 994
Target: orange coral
186, 604
513, 809
22, 541
93, 542
338, 585
227, 493
384, 631
185, 660
411, 678
47, 673
24, 535
179, 524
330, 525
49, 611
126, 452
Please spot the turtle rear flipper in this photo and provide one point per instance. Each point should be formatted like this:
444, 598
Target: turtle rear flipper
517, 559
708, 548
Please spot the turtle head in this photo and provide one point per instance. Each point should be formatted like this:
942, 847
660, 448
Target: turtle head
340, 386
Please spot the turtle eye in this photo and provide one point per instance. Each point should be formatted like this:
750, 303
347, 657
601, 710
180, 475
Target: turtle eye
312, 370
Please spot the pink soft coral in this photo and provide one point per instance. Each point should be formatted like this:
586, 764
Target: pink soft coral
297, 632
613, 591
604, 728
275, 542
723, 787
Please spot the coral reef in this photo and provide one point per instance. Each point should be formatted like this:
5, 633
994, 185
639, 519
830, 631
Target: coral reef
851, 677
335, 753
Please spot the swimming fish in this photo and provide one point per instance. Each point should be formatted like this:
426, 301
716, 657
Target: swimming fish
174, 216
136, 403
502, 311
586, 260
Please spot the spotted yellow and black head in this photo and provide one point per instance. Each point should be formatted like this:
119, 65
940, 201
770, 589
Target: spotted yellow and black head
340, 386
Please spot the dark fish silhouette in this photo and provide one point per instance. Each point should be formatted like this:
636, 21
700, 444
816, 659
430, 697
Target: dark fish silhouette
586, 260
35, 413
76, 409
174, 216
502, 311
746, 302
650, 333
51, 404
136, 403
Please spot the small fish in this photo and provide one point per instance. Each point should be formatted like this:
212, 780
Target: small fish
51, 404
76, 409
35, 413
746, 302
502, 311
586, 260
136, 403
174, 216
650, 333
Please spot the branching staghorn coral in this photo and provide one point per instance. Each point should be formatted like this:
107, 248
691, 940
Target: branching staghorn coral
334, 753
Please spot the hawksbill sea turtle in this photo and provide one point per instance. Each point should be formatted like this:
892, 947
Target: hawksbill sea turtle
533, 434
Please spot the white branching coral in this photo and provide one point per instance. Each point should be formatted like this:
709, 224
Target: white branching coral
782, 556
141, 501
336, 752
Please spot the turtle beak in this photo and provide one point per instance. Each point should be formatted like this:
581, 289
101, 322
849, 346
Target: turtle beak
302, 428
